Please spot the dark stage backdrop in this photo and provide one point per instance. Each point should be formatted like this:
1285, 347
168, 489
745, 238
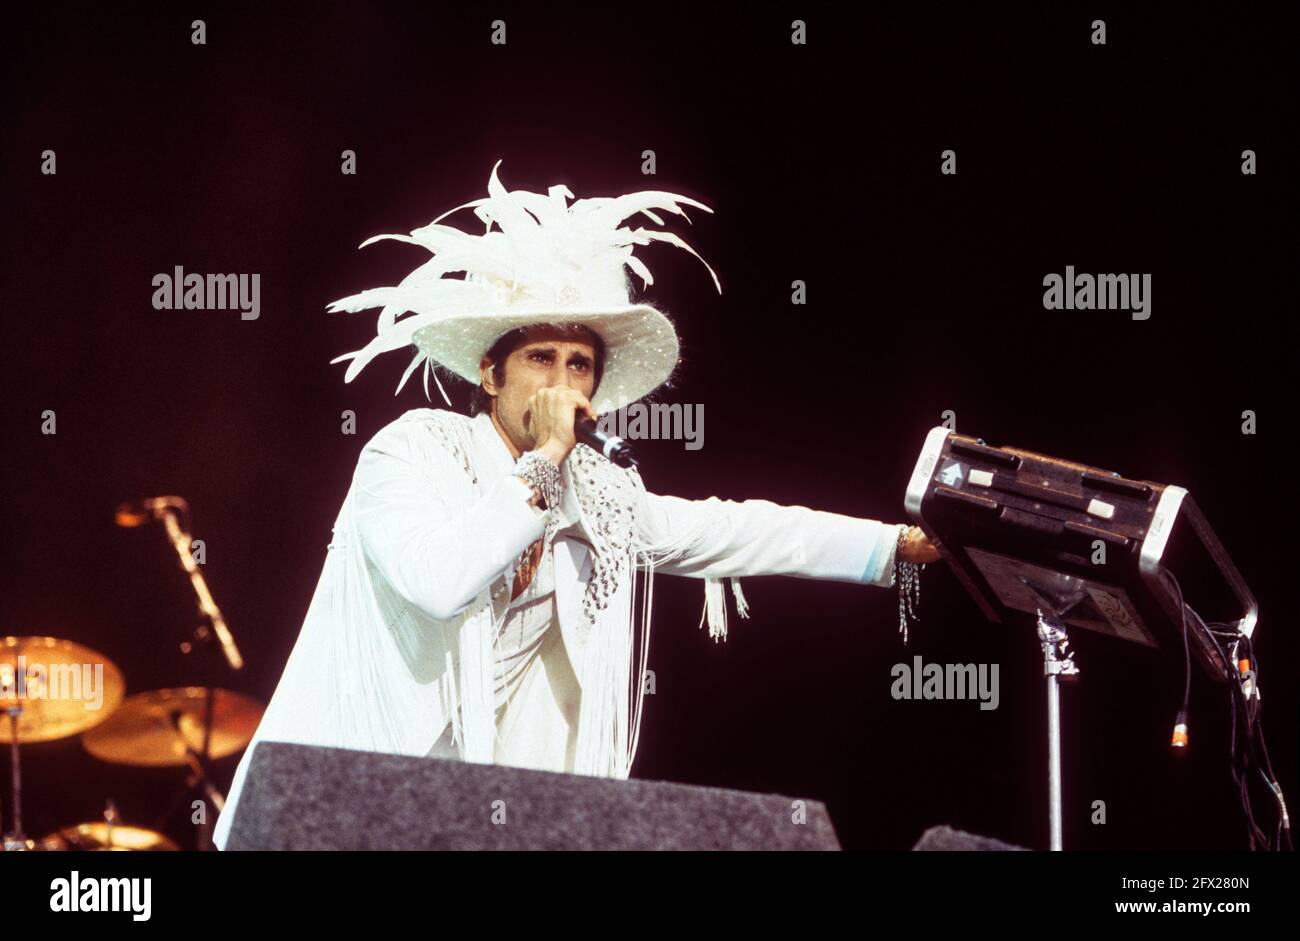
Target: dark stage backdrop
821, 163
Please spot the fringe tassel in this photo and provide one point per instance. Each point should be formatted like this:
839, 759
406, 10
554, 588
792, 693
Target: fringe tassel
609, 717
451, 702
676, 545
742, 606
715, 609
477, 699
715, 606
639, 677
621, 660
596, 732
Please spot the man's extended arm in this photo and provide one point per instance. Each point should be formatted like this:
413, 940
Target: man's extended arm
724, 538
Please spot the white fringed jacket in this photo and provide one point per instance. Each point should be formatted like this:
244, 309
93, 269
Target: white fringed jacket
397, 642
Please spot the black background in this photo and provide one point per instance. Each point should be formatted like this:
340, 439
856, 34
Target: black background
821, 162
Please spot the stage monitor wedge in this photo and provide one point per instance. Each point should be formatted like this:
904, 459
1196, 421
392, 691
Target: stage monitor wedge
304, 797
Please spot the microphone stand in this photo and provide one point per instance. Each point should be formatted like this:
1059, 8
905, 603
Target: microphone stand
200, 761
180, 540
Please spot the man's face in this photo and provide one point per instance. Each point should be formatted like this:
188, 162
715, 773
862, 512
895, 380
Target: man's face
549, 356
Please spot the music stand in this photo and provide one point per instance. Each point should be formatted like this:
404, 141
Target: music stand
1042, 541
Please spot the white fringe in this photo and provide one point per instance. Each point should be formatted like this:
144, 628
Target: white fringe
598, 732
613, 687
742, 606
639, 677
477, 699
715, 606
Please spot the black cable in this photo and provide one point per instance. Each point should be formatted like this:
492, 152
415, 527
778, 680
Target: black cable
1240, 759
1266, 771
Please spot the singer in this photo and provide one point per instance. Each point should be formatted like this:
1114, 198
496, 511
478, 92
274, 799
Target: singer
477, 599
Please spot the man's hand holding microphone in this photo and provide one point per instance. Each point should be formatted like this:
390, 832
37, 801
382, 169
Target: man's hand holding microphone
551, 414
549, 420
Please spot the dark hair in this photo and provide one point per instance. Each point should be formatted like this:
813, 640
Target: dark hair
508, 342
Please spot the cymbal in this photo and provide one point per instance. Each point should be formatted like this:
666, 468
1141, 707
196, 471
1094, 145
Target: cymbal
95, 836
62, 688
151, 730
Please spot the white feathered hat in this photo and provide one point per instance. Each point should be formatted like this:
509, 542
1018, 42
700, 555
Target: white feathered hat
549, 262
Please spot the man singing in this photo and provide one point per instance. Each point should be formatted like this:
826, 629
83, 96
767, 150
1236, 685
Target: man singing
477, 598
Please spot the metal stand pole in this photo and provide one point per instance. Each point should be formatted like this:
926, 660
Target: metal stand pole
1057, 663
15, 839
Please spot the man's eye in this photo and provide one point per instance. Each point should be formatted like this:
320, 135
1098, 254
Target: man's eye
541, 357
580, 364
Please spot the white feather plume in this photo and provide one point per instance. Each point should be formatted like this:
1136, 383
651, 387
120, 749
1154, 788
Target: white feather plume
531, 242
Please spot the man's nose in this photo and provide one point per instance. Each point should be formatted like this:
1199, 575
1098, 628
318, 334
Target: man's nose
562, 376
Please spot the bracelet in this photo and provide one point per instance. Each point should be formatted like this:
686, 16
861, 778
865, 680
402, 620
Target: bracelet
909, 587
542, 476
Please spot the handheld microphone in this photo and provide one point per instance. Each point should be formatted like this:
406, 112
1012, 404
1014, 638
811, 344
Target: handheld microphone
612, 446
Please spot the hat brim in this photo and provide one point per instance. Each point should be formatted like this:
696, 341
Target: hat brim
641, 345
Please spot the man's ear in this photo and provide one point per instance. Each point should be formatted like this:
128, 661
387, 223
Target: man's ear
485, 376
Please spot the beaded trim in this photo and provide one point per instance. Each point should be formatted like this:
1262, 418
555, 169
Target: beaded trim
452, 432
909, 585
543, 476
606, 498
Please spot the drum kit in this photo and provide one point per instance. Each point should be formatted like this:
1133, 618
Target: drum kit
53, 689
43, 699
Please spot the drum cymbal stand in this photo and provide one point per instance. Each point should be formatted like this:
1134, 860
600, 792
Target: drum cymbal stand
15, 839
